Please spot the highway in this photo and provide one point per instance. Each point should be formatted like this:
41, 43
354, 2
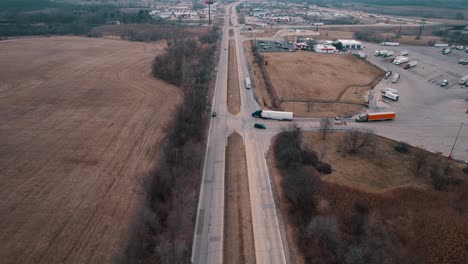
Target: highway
208, 234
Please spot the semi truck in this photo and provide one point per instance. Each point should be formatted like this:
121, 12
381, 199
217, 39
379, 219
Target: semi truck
388, 54
248, 85
464, 80
400, 60
404, 53
394, 44
277, 115
446, 51
411, 64
380, 52
369, 117
441, 45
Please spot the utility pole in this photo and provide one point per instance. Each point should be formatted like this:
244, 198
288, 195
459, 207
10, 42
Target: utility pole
209, 3
399, 31
456, 138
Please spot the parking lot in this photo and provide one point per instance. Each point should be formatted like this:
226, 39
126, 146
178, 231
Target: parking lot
428, 115
274, 46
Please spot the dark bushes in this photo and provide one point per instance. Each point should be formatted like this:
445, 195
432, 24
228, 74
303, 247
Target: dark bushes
163, 230
324, 168
402, 147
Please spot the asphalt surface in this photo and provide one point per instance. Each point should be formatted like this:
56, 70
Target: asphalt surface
208, 239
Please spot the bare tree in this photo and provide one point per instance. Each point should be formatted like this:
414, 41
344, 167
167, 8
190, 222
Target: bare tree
420, 159
355, 139
325, 126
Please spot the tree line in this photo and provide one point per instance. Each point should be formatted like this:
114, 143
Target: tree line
162, 231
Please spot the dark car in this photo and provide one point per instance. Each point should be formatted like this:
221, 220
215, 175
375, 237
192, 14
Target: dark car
213, 114
387, 74
259, 126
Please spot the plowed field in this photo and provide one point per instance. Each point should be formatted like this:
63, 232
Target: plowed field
81, 118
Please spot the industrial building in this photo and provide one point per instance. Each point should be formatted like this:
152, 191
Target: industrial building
351, 44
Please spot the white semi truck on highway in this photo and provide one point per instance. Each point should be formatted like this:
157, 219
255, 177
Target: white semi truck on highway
394, 44
277, 115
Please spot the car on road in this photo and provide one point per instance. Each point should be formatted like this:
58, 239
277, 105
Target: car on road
213, 114
259, 126
444, 83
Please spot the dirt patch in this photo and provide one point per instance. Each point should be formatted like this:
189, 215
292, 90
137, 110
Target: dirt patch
233, 96
82, 119
231, 32
308, 76
334, 34
418, 222
266, 33
239, 244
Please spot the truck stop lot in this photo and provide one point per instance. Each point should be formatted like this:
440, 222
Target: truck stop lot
428, 115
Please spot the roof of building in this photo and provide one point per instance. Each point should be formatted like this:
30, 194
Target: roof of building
349, 42
325, 47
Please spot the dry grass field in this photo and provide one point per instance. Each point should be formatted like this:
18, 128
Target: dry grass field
309, 76
233, 95
428, 226
81, 119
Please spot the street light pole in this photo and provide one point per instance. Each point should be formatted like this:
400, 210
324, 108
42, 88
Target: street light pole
209, 3
456, 138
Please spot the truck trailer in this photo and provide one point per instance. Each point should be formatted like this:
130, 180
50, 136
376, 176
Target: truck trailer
411, 64
464, 80
277, 115
394, 44
388, 54
441, 45
369, 117
400, 60
396, 77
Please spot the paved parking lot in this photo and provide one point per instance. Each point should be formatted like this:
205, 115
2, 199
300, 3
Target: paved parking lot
428, 115
274, 46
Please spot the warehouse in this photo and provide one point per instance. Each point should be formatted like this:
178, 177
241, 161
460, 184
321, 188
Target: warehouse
351, 44
322, 48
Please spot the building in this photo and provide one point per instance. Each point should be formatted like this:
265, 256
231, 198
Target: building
321, 48
351, 44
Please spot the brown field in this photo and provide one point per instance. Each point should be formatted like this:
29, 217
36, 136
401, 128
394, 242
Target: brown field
118, 30
308, 76
266, 33
426, 222
334, 34
233, 96
239, 246
82, 118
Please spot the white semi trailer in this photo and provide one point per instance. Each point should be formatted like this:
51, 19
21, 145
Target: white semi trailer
248, 85
277, 115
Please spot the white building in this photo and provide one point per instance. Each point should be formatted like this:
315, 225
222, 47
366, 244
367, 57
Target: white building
321, 48
351, 44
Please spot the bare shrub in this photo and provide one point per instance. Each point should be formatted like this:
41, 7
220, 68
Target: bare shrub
356, 139
420, 159
402, 147
325, 229
288, 148
324, 168
325, 126
300, 187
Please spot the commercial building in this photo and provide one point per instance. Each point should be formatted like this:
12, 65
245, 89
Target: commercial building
321, 48
351, 44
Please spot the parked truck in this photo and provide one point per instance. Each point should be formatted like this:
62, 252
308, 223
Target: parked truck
388, 54
396, 77
464, 80
379, 53
277, 115
362, 55
369, 117
441, 45
404, 53
446, 51
248, 85
394, 44
400, 60
411, 64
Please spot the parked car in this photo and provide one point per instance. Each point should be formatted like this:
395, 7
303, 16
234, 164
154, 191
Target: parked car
259, 126
463, 61
444, 83
387, 74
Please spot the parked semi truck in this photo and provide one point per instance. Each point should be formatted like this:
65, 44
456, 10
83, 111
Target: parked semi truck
369, 117
400, 60
411, 64
248, 85
277, 115
388, 54
464, 80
